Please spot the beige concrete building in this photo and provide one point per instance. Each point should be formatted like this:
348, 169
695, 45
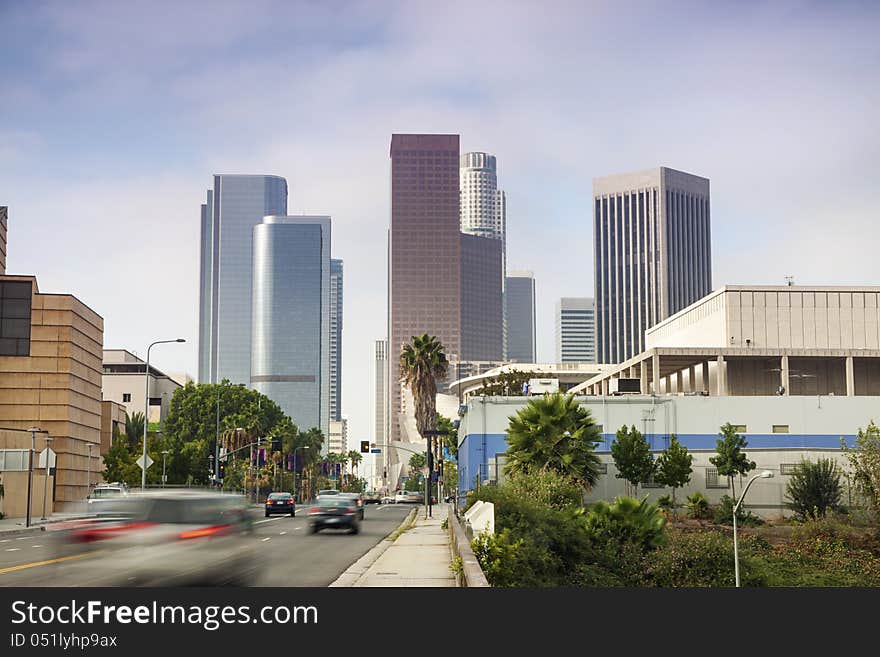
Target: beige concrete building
761, 340
15, 448
337, 438
50, 378
123, 382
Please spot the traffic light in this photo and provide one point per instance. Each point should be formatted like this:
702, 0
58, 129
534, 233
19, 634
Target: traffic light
365, 446
221, 472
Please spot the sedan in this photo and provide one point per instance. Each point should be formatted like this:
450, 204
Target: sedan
358, 500
336, 511
409, 497
280, 503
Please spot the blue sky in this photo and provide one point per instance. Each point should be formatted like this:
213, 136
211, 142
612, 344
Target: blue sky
115, 115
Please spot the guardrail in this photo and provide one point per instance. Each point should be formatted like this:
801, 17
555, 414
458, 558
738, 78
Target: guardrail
471, 575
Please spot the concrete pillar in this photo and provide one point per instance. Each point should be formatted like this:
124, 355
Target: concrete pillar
679, 381
783, 371
643, 377
850, 378
655, 373
705, 381
692, 379
604, 386
721, 377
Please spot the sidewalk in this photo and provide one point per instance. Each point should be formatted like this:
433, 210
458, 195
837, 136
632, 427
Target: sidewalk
420, 556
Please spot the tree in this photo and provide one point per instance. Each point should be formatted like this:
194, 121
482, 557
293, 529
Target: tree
674, 467
450, 438
731, 459
119, 462
507, 384
355, 458
864, 459
417, 462
134, 429
554, 432
813, 489
632, 458
422, 362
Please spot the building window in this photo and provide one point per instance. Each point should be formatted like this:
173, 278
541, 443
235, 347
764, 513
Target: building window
126, 397
155, 401
787, 468
650, 483
15, 318
740, 428
780, 428
713, 480
13, 460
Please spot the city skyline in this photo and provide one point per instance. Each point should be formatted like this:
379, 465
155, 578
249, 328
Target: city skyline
780, 125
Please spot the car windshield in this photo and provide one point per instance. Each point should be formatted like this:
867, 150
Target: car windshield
197, 511
279, 496
106, 492
328, 492
335, 501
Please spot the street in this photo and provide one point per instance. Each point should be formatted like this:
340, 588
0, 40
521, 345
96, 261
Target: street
291, 555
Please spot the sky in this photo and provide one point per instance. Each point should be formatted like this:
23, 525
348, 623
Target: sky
115, 115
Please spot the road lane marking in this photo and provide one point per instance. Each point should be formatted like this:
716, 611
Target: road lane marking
282, 533
268, 538
23, 538
5, 540
13, 549
48, 561
36, 546
257, 522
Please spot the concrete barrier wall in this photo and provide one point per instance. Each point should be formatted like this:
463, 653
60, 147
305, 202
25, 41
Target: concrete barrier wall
472, 575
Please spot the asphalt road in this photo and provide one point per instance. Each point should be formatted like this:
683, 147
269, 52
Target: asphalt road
291, 555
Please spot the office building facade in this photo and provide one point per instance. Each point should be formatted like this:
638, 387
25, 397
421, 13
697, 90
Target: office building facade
233, 208
482, 307
336, 339
519, 299
652, 248
290, 360
576, 330
424, 267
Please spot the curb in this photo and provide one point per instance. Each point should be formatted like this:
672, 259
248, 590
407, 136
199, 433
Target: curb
23, 530
356, 570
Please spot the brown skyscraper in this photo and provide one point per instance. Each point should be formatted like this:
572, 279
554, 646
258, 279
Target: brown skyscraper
3, 220
424, 259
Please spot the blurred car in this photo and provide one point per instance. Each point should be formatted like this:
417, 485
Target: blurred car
166, 539
102, 494
372, 497
337, 511
280, 503
388, 499
327, 491
409, 497
359, 501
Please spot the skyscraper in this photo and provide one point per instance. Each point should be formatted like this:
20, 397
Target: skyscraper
520, 301
235, 205
336, 340
380, 409
576, 330
484, 214
652, 244
3, 220
424, 266
482, 312
291, 317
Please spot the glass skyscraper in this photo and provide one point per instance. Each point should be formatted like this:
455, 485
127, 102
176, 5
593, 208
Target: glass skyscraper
235, 205
520, 301
336, 340
291, 317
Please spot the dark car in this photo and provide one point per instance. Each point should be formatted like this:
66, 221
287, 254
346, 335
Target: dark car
280, 503
359, 500
338, 511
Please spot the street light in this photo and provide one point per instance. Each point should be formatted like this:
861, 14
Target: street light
295, 450
88, 472
34, 431
147, 408
767, 474
46, 480
165, 453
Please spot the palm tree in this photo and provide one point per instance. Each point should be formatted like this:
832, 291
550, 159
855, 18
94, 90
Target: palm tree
355, 458
422, 362
134, 429
554, 432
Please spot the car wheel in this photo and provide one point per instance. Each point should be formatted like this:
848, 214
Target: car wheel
267, 514
354, 529
293, 514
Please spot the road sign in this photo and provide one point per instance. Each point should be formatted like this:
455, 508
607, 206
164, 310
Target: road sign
140, 462
42, 462
375, 451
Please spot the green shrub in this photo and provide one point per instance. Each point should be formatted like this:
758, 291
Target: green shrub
834, 527
697, 506
665, 502
723, 514
545, 487
814, 489
820, 562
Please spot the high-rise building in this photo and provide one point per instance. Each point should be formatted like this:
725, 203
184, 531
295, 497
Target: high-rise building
424, 254
335, 340
235, 205
337, 438
482, 311
484, 211
291, 317
520, 301
576, 330
380, 409
3, 219
652, 243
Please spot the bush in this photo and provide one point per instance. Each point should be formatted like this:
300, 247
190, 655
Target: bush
833, 527
697, 506
723, 514
665, 502
813, 489
545, 487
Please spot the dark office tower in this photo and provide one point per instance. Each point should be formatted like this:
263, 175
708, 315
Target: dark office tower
482, 312
336, 340
424, 267
652, 245
520, 300
3, 220
235, 205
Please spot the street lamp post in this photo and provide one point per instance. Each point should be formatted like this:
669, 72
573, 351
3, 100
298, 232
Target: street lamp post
763, 475
34, 431
165, 453
147, 407
88, 472
46, 480
295, 449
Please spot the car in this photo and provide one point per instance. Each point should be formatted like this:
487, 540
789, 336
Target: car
280, 503
388, 499
359, 500
102, 495
409, 497
327, 491
166, 538
336, 511
372, 497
